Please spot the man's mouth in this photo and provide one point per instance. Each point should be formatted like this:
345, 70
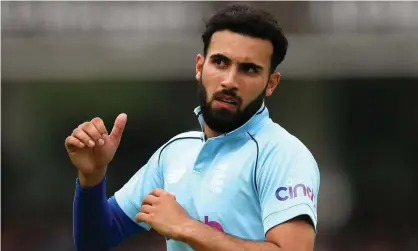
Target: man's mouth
228, 99
231, 102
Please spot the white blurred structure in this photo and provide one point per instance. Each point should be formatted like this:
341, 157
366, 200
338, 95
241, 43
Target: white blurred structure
44, 40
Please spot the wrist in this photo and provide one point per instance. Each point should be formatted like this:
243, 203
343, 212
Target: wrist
187, 230
91, 180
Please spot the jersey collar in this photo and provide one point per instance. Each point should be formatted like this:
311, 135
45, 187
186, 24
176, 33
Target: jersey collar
250, 127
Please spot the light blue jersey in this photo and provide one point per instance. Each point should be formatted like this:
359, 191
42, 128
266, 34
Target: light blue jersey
243, 183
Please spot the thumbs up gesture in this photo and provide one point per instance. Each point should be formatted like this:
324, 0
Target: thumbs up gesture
91, 148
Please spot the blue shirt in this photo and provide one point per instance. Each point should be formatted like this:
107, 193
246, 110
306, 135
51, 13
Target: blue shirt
243, 183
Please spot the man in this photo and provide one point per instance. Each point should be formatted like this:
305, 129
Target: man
243, 183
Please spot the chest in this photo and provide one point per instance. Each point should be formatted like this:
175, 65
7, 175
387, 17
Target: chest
215, 184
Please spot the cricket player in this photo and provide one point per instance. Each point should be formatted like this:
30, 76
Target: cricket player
241, 183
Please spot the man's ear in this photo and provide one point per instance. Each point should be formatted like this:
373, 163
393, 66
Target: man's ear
272, 84
199, 66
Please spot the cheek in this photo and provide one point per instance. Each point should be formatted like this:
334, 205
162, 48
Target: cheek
249, 93
213, 74
211, 83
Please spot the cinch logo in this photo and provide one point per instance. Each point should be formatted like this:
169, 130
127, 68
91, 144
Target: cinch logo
285, 193
214, 224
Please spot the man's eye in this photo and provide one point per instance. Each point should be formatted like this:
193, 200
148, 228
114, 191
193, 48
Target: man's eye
219, 61
249, 69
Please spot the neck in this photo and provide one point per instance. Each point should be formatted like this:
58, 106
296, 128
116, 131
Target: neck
209, 133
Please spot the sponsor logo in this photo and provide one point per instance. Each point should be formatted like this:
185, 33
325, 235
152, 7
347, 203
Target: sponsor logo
218, 179
213, 224
291, 192
175, 175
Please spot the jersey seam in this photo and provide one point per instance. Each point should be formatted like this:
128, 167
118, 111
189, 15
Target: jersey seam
138, 209
171, 141
300, 204
256, 163
133, 204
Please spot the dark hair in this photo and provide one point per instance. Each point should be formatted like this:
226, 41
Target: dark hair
246, 20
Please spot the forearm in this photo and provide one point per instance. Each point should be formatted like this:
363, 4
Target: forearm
99, 224
202, 237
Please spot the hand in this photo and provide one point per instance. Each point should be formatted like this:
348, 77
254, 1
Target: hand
90, 148
165, 215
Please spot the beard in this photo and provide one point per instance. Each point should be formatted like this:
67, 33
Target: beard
223, 120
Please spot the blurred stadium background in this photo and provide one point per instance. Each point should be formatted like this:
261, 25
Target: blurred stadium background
349, 92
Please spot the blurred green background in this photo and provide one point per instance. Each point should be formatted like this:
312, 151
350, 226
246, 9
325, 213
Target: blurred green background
349, 92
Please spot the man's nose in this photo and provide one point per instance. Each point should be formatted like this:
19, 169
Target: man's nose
230, 80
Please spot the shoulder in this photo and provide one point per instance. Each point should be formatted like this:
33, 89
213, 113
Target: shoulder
278, 145
273, 137
182, 140
178, 148
191, 136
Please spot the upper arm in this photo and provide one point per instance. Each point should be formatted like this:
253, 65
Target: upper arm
288, 185
130, 196
296, 234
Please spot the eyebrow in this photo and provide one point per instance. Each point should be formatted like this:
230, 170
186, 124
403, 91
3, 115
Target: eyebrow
243, 64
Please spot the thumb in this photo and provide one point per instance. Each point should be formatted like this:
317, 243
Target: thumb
118, 128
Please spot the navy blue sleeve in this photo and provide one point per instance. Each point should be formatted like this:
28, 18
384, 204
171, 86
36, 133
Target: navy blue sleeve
99, 224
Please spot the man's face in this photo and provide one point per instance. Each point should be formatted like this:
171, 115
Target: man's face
234, 78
